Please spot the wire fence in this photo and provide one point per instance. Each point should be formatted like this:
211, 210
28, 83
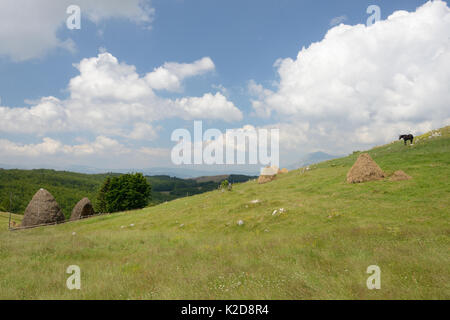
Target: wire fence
54, 223
13, 228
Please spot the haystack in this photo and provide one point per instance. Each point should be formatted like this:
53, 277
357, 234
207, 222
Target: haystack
364, 169
268, 174
399, 176
42, 209
284, 170
82, 209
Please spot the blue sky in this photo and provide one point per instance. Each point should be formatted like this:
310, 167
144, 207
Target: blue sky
243, 39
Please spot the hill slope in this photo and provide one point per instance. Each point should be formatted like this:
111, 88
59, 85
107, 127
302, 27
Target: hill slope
319, 248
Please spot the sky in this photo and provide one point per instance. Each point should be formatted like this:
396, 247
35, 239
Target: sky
110, 94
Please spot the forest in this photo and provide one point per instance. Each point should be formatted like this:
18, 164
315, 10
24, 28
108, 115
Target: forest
17, 187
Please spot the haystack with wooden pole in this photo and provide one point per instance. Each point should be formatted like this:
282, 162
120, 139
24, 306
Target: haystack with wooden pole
42, 209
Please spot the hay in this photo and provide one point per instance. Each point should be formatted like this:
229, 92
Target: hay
284, 170
269, 171
82, 209
364, 169
265, 179
268, 174
399, 176
42, 209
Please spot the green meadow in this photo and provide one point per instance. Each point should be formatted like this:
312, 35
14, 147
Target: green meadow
319, 247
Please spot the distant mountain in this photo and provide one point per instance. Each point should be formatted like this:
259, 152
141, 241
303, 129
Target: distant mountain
185, 172
182, 172
312, 158
233, 178
219, 178
88, 170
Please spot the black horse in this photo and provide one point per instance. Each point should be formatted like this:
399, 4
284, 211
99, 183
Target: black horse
406, 137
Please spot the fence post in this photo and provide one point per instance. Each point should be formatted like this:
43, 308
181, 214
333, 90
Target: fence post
10, 205
9, 221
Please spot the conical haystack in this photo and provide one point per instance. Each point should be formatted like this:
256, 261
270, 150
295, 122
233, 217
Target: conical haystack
364, 169
42, 209
268, 174
399, 176
265, 179
82, 209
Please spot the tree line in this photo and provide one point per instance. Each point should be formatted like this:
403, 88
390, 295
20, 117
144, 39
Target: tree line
70, 187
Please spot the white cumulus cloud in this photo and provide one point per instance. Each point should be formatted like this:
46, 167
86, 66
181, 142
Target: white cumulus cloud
28, 29
47, 115
365, 85
102, 151
110, 98
50, 146
171, 74
338, 20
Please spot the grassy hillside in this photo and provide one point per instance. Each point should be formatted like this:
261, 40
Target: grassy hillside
318, 248
4, 220
165, 188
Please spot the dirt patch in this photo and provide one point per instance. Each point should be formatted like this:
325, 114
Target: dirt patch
364, 169
399, 176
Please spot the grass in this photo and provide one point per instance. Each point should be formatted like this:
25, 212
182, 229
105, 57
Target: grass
319, 248
4, 219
